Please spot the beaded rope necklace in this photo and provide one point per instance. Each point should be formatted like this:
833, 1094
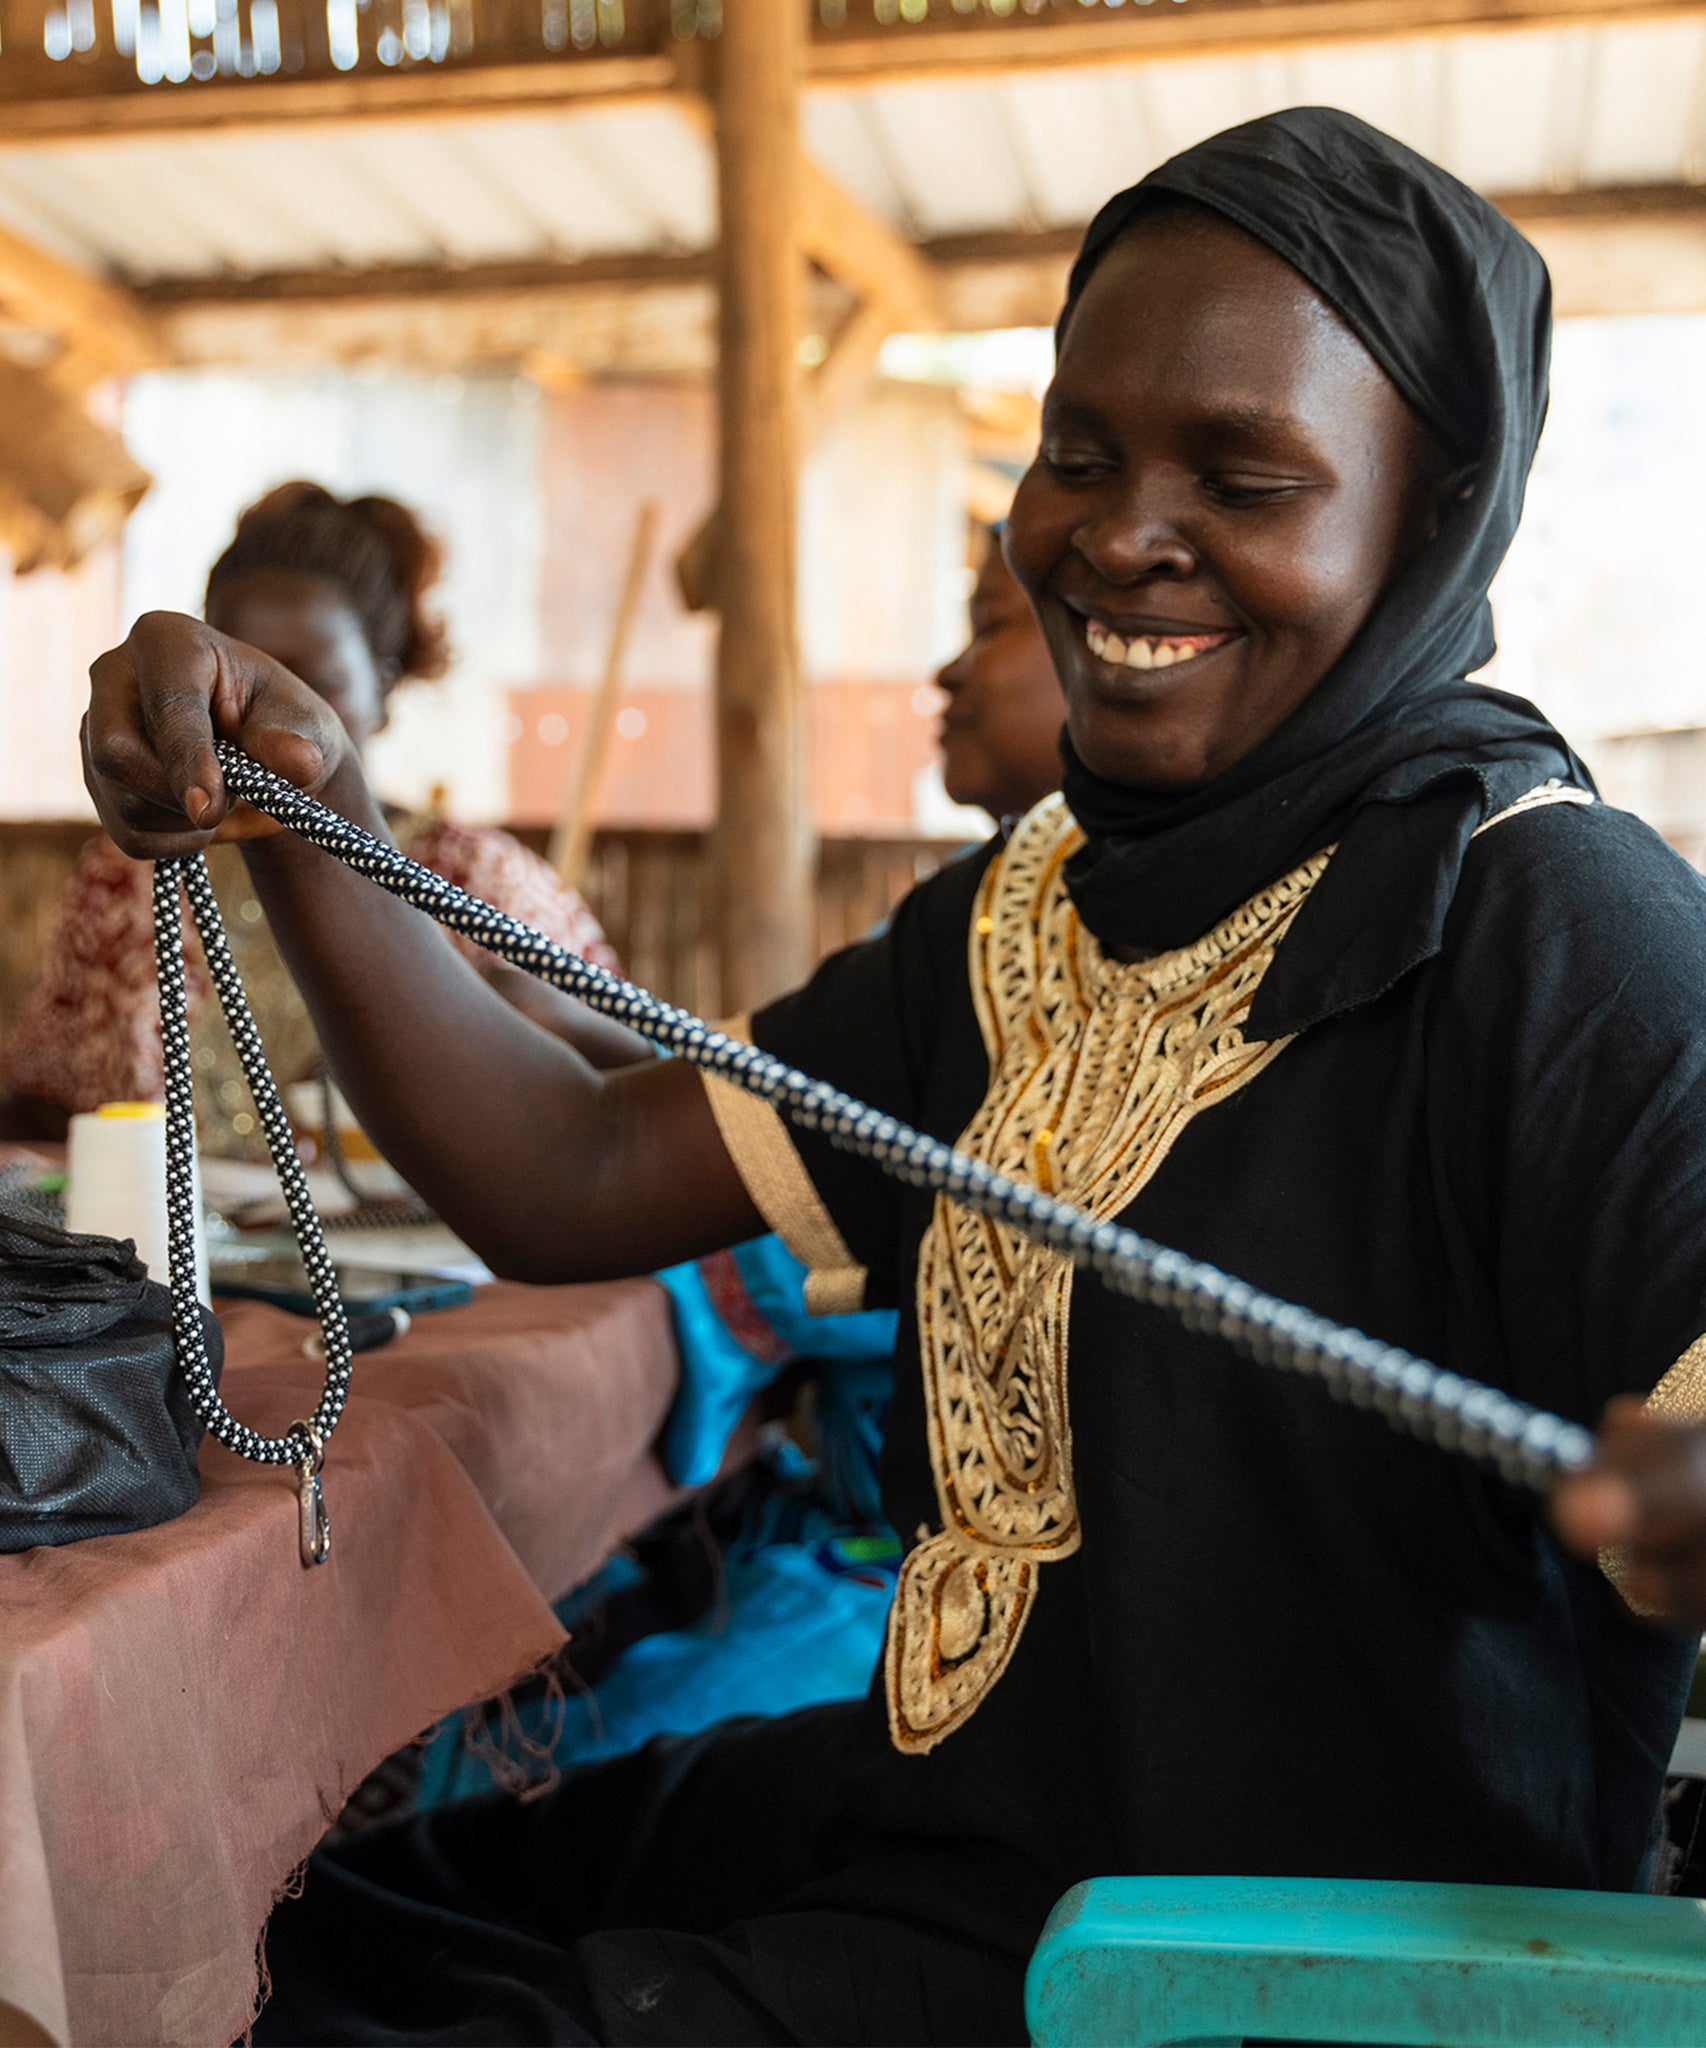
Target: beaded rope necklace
1528, 1446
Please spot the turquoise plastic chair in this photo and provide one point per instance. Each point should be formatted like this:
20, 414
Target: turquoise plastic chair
1136, 1962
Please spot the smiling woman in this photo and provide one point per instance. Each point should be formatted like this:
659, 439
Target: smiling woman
1330, 970
1224, 493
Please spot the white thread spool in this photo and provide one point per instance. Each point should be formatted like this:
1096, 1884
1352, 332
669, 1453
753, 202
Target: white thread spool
116, 1184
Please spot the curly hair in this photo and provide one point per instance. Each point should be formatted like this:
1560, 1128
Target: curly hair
376, 552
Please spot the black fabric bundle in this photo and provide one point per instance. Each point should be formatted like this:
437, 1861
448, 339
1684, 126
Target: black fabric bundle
1394, 756
97, 1435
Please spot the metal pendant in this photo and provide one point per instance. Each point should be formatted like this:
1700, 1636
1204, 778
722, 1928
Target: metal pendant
314, 1525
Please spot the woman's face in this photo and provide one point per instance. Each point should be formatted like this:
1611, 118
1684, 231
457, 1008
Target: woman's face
1001, 728
308, 626
1227, 482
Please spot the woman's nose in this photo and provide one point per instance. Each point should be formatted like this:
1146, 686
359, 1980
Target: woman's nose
1134, 536
951, 677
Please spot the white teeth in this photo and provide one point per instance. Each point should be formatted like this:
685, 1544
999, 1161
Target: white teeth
1145, 652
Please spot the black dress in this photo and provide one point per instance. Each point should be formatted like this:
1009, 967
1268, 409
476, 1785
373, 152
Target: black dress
1262, 1633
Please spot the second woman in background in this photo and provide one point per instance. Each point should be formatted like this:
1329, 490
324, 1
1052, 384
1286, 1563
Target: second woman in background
336, 590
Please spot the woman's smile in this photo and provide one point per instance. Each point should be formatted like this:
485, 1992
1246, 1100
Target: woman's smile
1148, 645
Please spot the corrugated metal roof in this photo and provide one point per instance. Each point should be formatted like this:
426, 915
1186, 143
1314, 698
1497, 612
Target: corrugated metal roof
1510, 112
1537, 111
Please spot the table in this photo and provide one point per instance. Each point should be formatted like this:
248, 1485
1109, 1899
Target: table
184, 1710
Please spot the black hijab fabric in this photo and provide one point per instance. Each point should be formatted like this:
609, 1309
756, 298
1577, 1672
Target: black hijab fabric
1394, 755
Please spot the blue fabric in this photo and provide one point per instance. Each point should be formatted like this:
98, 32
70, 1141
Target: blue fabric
720, 1373
807, 1573
801, 1625
800, 1620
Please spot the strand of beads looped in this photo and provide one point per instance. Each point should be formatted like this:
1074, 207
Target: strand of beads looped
1528, 1446
303, 1445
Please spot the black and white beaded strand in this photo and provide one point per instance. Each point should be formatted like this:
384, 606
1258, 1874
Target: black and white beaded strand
1528, 1446
304, 1444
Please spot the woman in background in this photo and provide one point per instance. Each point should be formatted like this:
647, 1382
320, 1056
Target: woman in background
1000, 729
336, 591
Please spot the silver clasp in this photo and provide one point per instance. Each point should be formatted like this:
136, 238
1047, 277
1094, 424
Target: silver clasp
314, 1525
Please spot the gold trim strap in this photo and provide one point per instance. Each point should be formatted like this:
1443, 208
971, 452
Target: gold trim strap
767, 1160
1679, 1397
1553, 792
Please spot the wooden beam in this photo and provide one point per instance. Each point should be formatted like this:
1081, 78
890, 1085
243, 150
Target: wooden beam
1604, 205
438, 92
1631, 248
970, 45
1615, 205
841, 379
99, 326
45, 103
765, 845
66, 485
873, 260
1003, 245
430, 281
1652, 265
1615, 250
659, 330
862, 252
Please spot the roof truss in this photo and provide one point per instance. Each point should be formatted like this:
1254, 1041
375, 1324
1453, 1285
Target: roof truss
43, 102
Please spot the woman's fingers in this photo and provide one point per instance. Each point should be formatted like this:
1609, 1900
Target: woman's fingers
1644, 1495
157, 705
176, 672
135, 801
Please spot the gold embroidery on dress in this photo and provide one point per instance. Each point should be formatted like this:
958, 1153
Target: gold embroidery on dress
1096, 1066
1679, 1397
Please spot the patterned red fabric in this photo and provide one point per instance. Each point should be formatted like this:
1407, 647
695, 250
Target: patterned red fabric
89, 1030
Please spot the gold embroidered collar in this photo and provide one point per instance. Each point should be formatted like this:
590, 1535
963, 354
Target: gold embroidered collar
1096, 1065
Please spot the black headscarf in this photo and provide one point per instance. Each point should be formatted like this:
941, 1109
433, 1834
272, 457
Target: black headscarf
1393, 755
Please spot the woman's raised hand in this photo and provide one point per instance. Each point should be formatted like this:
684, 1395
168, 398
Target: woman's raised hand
158, 703
1644, 1496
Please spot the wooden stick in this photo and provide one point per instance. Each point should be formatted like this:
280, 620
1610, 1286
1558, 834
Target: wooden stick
573, 836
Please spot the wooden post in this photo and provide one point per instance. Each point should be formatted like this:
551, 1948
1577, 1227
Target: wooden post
765, 848
572, 839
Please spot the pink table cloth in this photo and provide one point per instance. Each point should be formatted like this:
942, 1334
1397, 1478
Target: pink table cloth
184, 1710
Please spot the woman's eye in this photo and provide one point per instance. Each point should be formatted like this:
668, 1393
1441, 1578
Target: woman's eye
1243, 491
1073, 465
